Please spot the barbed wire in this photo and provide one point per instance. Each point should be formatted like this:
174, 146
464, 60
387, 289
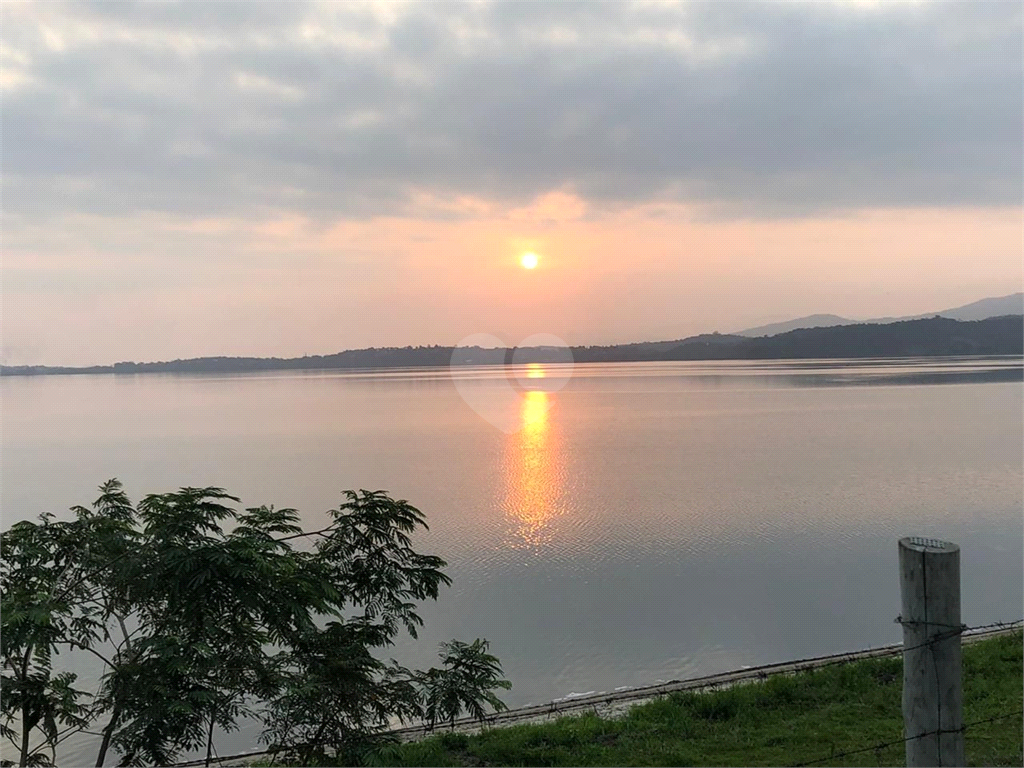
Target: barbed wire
899, 648
719, 680
953, 631
884, 744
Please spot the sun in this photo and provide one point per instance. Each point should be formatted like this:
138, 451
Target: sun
529, 260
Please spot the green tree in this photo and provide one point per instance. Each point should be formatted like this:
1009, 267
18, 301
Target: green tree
201, 615
465, 683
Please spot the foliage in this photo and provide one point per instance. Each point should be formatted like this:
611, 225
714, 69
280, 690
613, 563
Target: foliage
201, 615
465, 683
783, 720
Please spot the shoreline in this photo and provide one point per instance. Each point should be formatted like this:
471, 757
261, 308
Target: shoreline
1001, 335
615, 704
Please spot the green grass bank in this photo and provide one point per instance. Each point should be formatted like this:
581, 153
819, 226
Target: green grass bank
784, 720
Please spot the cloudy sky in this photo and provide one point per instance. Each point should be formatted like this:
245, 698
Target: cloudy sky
282, 178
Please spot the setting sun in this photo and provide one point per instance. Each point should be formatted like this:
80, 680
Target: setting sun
529, 260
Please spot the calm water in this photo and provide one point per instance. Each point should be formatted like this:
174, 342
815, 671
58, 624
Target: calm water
644, 523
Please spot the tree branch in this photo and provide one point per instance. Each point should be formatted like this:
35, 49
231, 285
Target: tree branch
124, 632
90, 649
321, 532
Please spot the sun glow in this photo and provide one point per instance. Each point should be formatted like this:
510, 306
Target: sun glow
529, 260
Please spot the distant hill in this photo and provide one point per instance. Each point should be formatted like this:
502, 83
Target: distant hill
932, 336
976, 310
811, 321
979, 310
906, 338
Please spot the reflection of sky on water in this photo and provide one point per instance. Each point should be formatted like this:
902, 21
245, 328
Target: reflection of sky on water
646, 521
787, 373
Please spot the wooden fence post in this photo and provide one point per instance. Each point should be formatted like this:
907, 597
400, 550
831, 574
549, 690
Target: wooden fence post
932, 694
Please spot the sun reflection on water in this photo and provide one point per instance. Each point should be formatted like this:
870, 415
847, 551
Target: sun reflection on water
534, 371
533, 473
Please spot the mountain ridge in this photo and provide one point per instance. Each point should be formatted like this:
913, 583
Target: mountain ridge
936, 336
992, 306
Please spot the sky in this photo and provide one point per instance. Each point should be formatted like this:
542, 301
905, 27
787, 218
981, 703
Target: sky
289, 178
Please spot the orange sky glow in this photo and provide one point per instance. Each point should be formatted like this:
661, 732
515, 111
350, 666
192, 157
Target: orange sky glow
301, 178
652, 272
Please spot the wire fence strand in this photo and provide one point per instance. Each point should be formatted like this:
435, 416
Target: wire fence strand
885, 744
933, 640
897, 648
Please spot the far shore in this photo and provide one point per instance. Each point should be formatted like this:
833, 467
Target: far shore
930, 337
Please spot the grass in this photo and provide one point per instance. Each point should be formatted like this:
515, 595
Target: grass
781, 721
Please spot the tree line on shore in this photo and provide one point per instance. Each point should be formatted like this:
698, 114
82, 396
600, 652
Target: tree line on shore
937, 336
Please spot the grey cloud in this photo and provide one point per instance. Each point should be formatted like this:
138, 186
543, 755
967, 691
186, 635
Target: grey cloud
744, 110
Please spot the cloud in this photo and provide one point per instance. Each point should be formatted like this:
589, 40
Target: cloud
331, 110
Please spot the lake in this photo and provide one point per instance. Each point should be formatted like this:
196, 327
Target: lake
644, 522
